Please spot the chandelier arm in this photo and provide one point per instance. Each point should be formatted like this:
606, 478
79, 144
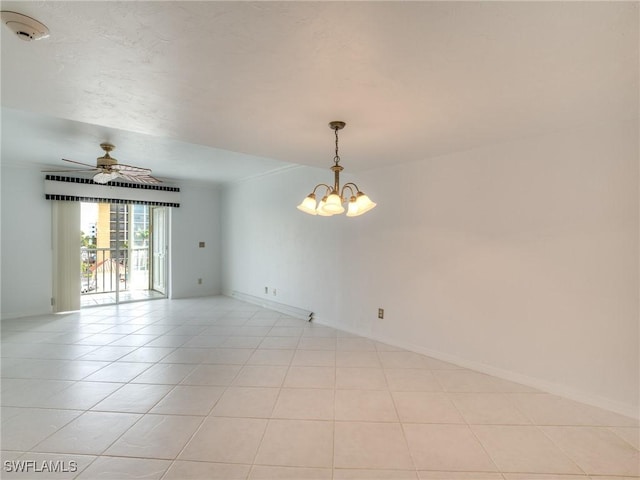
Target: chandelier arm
321, 185
347, 185
351, 183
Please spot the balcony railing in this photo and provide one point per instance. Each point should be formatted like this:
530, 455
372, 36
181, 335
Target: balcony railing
105, 270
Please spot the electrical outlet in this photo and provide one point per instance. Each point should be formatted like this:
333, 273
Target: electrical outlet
199, 281
381, 313
266, 290
201, 244
275, 292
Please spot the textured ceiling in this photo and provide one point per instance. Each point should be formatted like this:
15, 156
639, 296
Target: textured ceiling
185, 84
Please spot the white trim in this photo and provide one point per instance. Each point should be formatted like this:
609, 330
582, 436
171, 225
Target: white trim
263, 174
271, 305
25, 314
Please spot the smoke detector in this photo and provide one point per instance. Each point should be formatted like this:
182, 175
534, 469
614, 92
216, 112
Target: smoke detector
26, 28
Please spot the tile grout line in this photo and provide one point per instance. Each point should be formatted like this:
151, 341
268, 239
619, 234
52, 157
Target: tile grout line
468, 425
395, 407
268, 420
199, 427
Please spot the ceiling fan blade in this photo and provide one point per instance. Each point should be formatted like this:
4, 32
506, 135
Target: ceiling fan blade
77, 170
136, 174
131, 170
79, 163
147, 179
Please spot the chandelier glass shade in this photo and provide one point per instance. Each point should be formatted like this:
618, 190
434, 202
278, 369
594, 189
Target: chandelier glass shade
334, 197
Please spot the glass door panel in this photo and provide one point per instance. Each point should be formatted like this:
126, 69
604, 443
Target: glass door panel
159, 249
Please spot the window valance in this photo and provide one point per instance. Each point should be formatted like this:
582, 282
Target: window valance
86, 190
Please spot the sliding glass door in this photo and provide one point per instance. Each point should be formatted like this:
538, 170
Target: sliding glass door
118, 244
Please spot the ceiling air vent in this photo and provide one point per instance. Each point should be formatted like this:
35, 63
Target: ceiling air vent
26, 28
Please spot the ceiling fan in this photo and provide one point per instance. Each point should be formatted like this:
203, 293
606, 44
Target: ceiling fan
107, 169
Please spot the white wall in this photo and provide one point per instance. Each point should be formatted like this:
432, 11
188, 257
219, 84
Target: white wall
518, 259
267, 242
197, 220
26, 244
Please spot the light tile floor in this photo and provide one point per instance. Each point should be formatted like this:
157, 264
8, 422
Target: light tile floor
216, 388
92, 299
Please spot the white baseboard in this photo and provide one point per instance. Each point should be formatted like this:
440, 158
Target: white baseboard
537, 383
292, 311
32, 313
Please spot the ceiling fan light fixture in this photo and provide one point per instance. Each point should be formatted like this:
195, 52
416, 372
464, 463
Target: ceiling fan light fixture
332, 201
105, 177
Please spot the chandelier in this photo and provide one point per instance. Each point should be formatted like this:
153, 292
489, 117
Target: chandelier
334, 196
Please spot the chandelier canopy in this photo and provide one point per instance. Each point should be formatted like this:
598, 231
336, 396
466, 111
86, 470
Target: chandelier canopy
334, 196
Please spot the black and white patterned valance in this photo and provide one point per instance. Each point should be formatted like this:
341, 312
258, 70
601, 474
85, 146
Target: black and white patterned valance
72, 189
